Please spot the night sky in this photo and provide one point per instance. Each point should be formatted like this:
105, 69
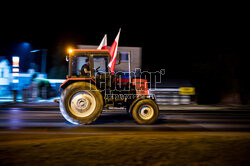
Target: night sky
190, 41
153, 26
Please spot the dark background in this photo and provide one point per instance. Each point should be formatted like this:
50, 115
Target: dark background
204, 43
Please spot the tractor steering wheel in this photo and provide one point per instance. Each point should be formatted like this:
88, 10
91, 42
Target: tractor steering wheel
97, 68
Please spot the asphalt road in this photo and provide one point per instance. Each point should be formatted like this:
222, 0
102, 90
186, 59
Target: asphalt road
34, 135
169, 120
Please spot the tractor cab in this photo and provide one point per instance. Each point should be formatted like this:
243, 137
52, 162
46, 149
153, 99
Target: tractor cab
95, 61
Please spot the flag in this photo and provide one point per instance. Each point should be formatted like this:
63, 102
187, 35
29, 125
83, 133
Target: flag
113, 52
103, 44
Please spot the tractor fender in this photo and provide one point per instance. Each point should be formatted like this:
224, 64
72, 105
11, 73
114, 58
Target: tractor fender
72, 80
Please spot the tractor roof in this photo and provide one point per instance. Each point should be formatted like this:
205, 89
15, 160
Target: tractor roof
90, 50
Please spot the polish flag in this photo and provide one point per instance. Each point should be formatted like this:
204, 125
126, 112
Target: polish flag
103, 44
113, 52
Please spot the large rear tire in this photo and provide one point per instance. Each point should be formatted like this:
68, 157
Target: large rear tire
145, 112
81, 103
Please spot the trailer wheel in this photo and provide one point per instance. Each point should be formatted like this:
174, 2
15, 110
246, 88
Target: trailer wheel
145, 112
81, 103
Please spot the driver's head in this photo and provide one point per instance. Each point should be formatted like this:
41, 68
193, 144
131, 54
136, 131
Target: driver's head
87, 61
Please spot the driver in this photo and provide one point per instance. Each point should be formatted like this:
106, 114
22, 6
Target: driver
85, 68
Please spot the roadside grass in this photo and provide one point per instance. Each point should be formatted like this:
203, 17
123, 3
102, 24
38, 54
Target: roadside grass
127, 148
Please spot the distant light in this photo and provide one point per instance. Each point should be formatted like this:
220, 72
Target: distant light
26, 44
16, 70
56, 80
15, 61
15, 58
15, 74
15, 81
34, 50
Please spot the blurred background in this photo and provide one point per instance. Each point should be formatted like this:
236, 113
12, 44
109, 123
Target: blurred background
203, 47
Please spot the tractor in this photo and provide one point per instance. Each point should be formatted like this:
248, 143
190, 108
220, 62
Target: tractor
85, 96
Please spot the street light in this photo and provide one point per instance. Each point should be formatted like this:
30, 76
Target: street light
34, 50
44, 57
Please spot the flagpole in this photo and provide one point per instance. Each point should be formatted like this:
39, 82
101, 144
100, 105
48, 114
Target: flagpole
129, 67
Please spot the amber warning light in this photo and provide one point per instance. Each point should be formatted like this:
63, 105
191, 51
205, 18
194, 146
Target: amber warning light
70, 50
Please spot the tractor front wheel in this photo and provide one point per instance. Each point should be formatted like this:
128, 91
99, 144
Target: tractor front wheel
145, 112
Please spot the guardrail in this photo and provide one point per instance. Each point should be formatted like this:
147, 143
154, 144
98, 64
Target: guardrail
169, 96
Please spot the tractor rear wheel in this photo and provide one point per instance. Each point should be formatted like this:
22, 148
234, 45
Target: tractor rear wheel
81, 103
145, 112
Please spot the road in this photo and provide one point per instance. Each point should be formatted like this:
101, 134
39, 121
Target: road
169, 120
194, 136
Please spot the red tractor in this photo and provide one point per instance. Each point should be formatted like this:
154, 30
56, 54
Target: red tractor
84, 96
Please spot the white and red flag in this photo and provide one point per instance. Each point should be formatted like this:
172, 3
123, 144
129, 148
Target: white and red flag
103, 44
113, 52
